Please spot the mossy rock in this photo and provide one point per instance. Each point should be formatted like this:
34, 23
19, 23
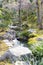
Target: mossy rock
5, 62
3, 47
2, 63
32, 41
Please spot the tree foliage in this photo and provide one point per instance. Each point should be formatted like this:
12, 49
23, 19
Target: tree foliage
5, 17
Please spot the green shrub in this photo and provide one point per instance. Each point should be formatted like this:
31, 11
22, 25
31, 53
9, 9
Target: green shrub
37, 49
41, 63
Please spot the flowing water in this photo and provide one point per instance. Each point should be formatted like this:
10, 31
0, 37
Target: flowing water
17, 43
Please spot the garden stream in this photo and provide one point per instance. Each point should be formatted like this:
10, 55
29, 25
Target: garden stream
18, 52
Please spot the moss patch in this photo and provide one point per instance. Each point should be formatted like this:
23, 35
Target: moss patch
5, 62
3, 47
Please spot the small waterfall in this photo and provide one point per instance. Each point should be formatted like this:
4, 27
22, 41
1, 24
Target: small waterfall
17, 43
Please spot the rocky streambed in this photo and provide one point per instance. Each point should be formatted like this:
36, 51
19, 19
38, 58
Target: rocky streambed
11, 41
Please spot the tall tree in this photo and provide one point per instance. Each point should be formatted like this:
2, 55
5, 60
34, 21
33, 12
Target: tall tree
20, 12
38, 6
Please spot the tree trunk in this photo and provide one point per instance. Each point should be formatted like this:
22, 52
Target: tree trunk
19, 12
39, 14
